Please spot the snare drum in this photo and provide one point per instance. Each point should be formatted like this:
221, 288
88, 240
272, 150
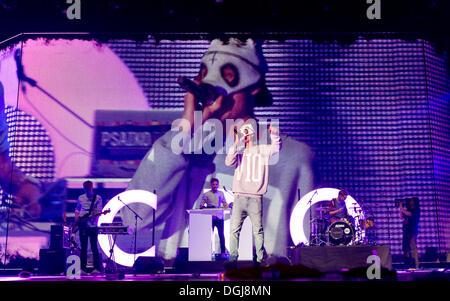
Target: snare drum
340, 233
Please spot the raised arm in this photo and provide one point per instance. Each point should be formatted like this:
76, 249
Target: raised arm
232, 154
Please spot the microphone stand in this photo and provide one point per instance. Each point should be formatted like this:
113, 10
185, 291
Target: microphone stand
23, 78
136, 216
310, 216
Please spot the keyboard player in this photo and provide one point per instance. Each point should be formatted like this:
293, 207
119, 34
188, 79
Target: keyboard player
216, 199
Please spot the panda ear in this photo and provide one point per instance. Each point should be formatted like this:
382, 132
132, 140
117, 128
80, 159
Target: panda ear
250, 43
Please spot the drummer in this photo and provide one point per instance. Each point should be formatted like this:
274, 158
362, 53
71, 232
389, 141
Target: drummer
338, 210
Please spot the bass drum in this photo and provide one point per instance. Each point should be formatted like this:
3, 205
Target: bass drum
340, 233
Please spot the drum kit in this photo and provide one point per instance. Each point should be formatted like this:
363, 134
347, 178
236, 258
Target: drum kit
350, 230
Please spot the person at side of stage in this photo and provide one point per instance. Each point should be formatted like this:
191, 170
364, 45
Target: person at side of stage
410, 215
215, 198
89, 206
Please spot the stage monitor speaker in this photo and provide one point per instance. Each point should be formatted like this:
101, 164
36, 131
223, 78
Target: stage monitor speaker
148, 265
53, 261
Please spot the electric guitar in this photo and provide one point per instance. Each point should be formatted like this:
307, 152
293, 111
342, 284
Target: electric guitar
82, 221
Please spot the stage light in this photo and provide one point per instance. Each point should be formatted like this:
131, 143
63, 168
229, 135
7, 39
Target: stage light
298, 233
127, 197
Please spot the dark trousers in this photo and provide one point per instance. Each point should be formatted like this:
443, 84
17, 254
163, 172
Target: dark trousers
218, 223
91, 235
409, 247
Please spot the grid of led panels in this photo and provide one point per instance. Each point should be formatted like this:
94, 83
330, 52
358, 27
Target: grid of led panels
30, 147
376, 113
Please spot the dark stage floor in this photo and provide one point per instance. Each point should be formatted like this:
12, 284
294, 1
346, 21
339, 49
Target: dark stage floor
217, 286
437, 274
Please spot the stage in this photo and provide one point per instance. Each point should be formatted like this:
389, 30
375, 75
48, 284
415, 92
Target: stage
304, 263
354, 109
336, 258
422, 274
197, 280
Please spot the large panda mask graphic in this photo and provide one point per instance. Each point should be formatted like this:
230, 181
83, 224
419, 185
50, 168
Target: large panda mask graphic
232, 66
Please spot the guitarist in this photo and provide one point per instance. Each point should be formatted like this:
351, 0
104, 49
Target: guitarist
89, 206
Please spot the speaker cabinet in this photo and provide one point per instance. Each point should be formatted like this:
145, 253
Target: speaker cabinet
59, 237
148, 265
53, 261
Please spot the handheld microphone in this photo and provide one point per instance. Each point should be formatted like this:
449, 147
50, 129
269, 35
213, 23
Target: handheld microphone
204, 93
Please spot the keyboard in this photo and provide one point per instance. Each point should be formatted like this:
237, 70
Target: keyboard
114, 228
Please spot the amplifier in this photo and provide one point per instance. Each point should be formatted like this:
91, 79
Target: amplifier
53, 261
59, 237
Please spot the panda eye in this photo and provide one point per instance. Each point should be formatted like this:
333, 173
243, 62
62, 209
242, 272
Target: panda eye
203, 71
230, 74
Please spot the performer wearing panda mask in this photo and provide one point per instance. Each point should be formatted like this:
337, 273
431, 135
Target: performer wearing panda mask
235, 70
249, 185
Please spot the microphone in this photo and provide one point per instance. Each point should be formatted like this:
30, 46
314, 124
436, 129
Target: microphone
20, 73
204, 93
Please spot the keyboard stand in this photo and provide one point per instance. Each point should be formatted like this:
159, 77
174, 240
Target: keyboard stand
111, 272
